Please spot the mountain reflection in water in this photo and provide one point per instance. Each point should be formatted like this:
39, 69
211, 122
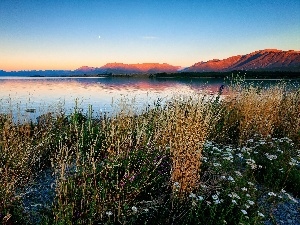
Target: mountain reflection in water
17, 94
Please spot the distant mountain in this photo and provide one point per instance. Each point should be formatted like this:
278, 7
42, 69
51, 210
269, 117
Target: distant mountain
86, 69
121, 68
262, 60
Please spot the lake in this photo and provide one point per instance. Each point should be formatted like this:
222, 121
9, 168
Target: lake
28, 97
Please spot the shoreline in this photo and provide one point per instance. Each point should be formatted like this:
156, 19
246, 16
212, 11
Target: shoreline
284, 75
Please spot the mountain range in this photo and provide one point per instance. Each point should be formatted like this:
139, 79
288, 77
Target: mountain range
121, 68
262, 60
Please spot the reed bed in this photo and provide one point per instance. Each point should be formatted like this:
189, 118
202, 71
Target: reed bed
189, 160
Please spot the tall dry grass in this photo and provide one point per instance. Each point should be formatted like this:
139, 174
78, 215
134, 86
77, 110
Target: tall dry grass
107, 165
116, 160
249, 111
25, 150
15, 158
185, 129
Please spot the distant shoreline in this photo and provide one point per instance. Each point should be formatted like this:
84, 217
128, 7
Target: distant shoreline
180, 75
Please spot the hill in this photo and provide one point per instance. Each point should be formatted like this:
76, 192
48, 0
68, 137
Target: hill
121, 68
262, 60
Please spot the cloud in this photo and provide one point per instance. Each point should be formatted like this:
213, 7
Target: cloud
149, 37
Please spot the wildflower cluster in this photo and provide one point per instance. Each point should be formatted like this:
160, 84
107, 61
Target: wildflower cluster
237, 173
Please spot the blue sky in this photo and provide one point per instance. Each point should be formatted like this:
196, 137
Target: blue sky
38, 34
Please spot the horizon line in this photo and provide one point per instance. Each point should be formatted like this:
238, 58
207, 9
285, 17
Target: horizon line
180, 67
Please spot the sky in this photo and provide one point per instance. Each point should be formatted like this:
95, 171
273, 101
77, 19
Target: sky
68, 34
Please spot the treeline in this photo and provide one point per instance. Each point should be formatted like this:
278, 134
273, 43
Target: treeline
235, 73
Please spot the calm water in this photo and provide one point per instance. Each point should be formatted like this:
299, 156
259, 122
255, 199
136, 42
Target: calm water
104, 94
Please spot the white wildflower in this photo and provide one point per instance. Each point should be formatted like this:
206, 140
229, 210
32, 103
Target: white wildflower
208, 144
287, 139
244, 189
251, 163
291, 198
176, 184
230, 178
234, 195
250, 202
238, 173
216, 164
260, 214
217, 201
280, 151
240, 155
109, 213
203, 186
250, 183
192, 195
134, 209
200, 198
271, 157
229, 158
293, 162
216, 149
215, 197
244, 211
271, 194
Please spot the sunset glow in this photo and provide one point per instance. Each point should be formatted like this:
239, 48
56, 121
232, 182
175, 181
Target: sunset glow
46, 35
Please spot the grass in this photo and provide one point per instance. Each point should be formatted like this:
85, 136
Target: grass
191, 160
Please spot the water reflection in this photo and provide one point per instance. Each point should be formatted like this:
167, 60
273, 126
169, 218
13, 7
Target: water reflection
54, 94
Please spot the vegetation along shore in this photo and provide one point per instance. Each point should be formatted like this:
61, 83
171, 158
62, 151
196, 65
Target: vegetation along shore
189, 160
